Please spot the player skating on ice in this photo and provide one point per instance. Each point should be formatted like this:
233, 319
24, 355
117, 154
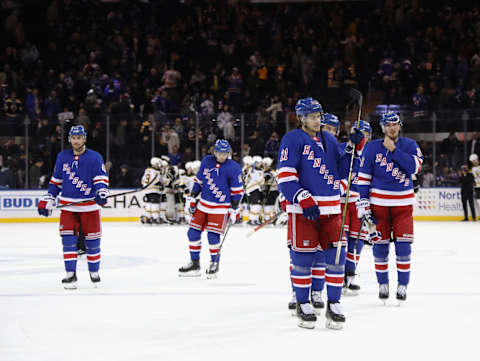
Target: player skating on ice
387, 197
79, 176
220, 187
309, 180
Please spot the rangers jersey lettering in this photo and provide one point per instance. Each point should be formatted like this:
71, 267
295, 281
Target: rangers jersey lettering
310, 163
77, 178
219, 183
386, 177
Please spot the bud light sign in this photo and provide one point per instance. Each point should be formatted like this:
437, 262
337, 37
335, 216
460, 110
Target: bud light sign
20, 202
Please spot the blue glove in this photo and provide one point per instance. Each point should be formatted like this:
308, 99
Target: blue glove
309, 206
356, 136
101, 196
45, 206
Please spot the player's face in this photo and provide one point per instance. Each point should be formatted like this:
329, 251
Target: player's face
312, 122
331, 129
221, 157
77, 141
392, 130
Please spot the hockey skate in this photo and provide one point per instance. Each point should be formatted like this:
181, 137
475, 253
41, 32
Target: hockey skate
306, 315
383, 292
191, 269
212, 270
334, 316
317, 302
401, 294
70, 281
95, 278
143, 219
350, 287
292, 305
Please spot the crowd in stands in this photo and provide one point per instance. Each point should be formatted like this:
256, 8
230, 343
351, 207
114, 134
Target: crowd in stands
147, 71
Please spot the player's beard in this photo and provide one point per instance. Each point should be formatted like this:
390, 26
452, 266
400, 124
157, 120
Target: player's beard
78, 150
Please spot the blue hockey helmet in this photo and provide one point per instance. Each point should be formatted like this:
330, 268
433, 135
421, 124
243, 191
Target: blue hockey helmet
365, 126
307, 106
77, 130
389, 117
331, 119
222, 146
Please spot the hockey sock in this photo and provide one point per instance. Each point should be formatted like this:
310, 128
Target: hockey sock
403, 250
380, 253
335, 274
301, 274
268, 212
93, 254
163, 210
291, 265
318, 271
194, 243
214, 244
352, 261
155, 209
69, 243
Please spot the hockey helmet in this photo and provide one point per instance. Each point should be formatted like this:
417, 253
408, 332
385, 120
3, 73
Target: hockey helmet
247, 161
196, 166
307, 106
257, 160
267, 161
365, 126
473, 157
163, 163
222, 146
155, 162
166, 158
188, 166
181, 172
77, 130
332, 120
388, 118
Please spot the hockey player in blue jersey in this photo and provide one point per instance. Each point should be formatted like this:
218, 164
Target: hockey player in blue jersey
354, 233
220, 187
79, 176
309, 180
387, 197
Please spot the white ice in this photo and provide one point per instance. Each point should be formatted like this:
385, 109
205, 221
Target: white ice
143, 311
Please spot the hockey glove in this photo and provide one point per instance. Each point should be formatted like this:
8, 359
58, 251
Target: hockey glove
363, 208
46, 204
234, 215
374, 235
357, 138
101, 196
190, 205
309, 206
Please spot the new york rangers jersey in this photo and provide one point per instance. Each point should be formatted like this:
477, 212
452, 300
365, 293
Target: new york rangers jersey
386, 177
344, 168
219, 183
77, 178
312, 164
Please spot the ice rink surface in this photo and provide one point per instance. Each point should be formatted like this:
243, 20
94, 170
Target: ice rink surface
144, 311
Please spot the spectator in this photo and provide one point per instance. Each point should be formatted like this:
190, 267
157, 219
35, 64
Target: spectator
35, 174
7, 178
124, 179
224, 117
467, 182
272, 146
175, 157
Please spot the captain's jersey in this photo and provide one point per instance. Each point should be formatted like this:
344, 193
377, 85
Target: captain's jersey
386, 177
77, 178
310, 163
219, 183
344, 168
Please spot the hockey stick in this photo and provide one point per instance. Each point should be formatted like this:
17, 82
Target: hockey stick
110, 196
356, 95
267, 222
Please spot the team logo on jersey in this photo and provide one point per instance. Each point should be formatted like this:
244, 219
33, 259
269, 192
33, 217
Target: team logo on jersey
395, 172
71, 176
323, 168
389, 166
75, 180
326, 174
383, 162
311, 156
378, 158
317, 162
330, 179
306, 149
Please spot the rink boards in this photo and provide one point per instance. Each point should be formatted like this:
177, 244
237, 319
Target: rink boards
18, 206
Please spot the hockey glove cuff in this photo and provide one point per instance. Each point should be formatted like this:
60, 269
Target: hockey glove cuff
190, 205
363, 208
101, 196
234, 215
309, 206
46, 205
